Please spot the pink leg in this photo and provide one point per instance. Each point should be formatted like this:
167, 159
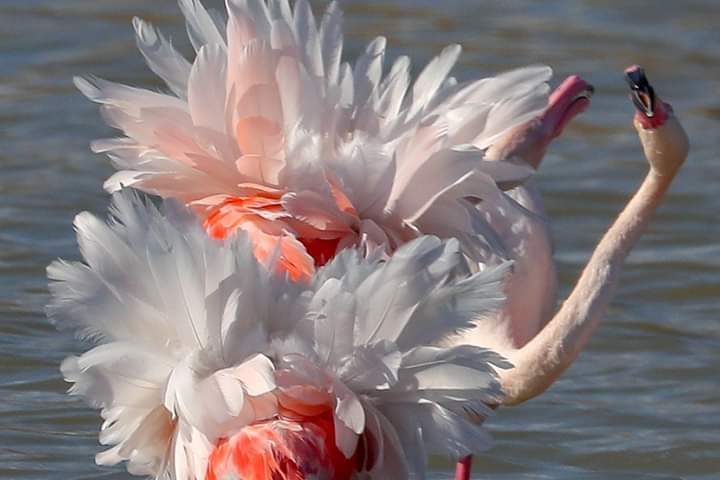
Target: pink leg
462, 470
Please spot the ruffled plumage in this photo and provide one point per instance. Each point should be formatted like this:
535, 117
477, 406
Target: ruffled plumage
270, 135
369, 344
270, 132
177, 363
197, 341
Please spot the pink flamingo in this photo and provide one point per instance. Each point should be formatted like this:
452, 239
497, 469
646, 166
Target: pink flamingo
269, 133
541, 359
210, 365
556, 340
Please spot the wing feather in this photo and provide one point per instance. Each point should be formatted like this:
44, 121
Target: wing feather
162, 58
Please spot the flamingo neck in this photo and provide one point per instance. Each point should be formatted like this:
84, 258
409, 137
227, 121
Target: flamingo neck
539, 363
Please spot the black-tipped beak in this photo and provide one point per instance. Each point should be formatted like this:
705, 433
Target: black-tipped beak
641, 92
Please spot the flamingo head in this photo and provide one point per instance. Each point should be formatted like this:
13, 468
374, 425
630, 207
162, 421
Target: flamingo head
530, 140
650, 111
569, 99
663, 138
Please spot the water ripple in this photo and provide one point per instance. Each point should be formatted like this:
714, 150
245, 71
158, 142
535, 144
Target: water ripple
642, 403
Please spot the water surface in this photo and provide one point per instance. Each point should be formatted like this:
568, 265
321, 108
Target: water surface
643, 402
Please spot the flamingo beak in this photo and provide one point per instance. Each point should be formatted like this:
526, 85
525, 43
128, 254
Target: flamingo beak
642, 93
569, 99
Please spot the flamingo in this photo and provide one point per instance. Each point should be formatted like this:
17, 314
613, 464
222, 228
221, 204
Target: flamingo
557, 341
268, 132
208, 364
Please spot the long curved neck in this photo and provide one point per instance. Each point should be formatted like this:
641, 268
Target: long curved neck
539, 363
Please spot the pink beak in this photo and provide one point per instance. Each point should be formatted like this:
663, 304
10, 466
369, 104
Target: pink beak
569, 99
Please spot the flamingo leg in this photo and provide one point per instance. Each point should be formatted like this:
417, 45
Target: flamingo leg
463, 467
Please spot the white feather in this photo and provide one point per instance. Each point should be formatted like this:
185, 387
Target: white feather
155, 292
372, 347
206, 88
280, 9
307, 38
331, 42
201, 27
128, 99
394, 88
368, 71
161, 57
432, 77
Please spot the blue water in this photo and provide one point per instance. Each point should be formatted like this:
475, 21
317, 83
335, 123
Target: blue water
643, 402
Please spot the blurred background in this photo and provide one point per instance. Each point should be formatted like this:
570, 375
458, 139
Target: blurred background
643, 402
